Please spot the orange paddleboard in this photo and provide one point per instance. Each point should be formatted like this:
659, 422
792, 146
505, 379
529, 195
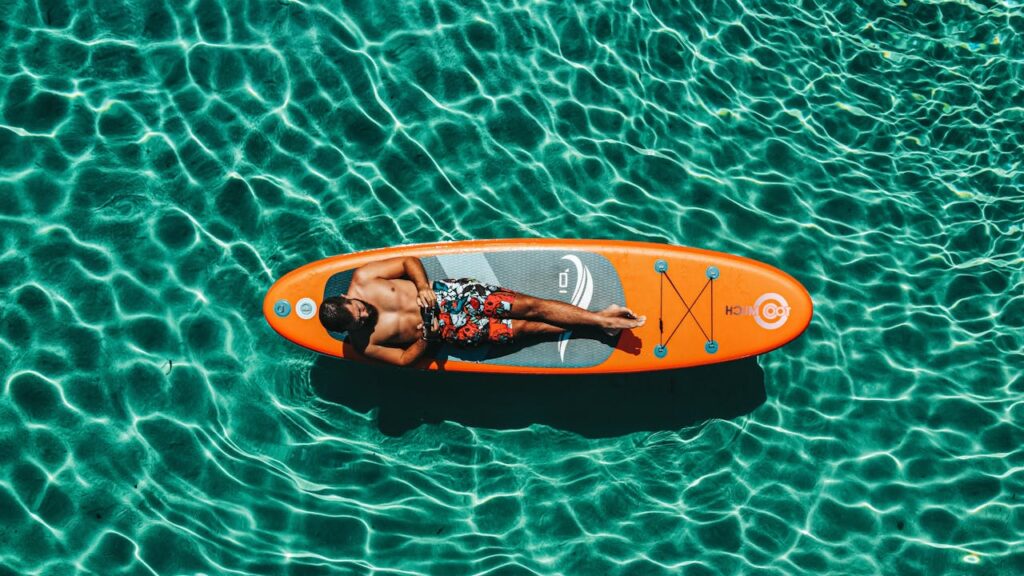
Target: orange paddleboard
702, 307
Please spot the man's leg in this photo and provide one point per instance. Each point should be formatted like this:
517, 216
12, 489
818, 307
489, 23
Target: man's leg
528, 328
566, 315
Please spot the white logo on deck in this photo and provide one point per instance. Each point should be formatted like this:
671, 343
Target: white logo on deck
770, 311
581, 294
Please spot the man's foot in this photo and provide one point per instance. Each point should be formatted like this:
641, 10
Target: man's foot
618, 318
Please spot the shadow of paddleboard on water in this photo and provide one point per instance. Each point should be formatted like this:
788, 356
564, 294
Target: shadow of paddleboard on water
598, 406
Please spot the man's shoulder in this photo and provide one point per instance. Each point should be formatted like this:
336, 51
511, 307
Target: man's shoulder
363, 277
360, 286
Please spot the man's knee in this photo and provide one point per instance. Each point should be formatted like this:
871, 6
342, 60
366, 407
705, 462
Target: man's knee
525, 306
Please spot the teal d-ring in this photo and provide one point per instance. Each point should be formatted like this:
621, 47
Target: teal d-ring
282, 308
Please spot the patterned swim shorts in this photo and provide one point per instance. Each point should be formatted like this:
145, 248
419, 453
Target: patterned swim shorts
470, 312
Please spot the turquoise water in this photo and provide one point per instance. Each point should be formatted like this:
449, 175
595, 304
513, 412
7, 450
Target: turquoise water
162, 164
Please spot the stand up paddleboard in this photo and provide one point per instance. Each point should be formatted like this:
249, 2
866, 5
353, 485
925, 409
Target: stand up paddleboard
702, 307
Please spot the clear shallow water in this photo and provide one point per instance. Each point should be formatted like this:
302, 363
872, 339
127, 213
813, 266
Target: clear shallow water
160, 166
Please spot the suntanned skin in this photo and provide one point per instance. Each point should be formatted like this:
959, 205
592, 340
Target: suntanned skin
386, 297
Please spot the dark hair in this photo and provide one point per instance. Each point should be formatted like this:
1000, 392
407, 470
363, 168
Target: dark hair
334, 316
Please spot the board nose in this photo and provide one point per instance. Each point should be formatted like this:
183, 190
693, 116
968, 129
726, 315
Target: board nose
802, 310
276, 306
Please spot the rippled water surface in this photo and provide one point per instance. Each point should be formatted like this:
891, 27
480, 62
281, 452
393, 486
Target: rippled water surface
161, 163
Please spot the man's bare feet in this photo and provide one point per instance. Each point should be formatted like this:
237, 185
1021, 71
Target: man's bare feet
619, 318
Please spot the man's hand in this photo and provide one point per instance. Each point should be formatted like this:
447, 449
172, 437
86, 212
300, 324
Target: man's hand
434, 327
426, 298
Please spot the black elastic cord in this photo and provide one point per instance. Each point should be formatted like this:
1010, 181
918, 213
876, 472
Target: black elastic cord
673, 285
712, 309
661, 309
689, 309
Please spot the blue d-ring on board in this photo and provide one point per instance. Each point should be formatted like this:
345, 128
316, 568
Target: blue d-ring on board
661, 266
282, 308
711, 346
660, 351
712, 272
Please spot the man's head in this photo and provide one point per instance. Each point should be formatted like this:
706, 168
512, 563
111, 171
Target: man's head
338, 314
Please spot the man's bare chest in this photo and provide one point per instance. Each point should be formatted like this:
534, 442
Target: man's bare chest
397, 311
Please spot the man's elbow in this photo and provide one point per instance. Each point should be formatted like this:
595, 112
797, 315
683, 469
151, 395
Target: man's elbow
390, 360
410, 357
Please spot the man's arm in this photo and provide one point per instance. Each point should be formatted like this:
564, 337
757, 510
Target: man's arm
391, 268
397, 356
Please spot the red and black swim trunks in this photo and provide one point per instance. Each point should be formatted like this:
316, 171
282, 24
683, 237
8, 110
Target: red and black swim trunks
471, 312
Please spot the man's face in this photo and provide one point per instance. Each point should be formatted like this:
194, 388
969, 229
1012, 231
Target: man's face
361, 312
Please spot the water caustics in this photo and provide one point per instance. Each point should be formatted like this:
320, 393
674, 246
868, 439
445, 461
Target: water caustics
161, 163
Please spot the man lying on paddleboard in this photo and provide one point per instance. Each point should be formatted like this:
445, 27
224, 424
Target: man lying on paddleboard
391, 311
